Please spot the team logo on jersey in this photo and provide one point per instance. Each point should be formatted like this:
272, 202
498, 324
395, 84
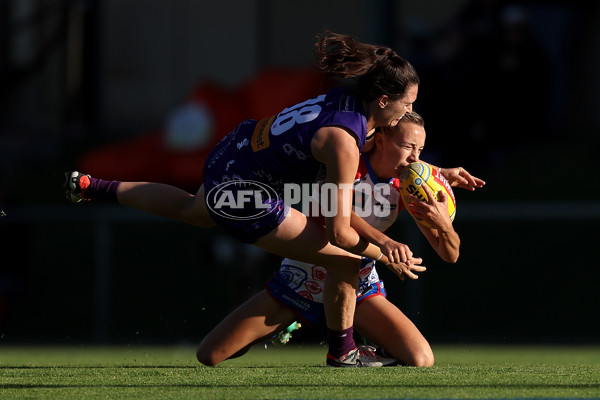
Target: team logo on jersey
293, 276
260, 137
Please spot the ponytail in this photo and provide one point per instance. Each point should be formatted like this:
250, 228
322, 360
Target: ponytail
375, 70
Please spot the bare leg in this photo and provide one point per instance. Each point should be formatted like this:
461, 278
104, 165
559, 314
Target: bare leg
166, 201
339, 296
305, 240
383, 323
258, 318
296, 237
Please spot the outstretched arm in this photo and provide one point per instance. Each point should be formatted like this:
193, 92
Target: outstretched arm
401, 269
387, 245
460, 177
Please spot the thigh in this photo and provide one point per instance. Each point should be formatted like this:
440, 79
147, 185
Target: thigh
304, 239
383, 323
197, 213
256, 319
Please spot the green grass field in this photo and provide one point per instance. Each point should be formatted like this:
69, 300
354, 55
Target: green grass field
295, 372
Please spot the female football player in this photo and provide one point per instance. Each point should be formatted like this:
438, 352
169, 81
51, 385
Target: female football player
296, 291
325, 133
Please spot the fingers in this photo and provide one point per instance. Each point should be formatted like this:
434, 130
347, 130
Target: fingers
430, 208
397, 269
466, 178
463, 178
402, 254
460, 177
470, 182
407, 257
428, 192
431, 197
417, 208
478, 182
408, 271
416, 261
442, 197
410, 275
403, 270
397, 252
394, 255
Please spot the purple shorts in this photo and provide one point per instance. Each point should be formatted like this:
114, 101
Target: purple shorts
246, 209
309, 311
250, 222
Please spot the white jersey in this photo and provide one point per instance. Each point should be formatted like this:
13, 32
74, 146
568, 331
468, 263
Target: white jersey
384, 204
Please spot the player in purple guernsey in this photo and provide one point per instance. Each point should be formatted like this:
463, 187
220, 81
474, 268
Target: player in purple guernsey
321, 134
295, 292
277, 151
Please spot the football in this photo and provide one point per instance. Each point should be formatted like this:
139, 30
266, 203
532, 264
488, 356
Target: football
416, 174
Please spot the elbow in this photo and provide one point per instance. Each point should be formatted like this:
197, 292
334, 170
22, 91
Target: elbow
449, 255
451, 252
341, 238
452, 258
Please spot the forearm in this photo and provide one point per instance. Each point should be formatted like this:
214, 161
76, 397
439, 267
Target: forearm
374, 252
365, 230
445, 242
350, 240
449, 246
377, 238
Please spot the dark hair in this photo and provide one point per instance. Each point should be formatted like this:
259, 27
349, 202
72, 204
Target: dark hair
376, 70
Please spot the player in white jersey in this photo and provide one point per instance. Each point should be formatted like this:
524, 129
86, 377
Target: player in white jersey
371, 192
295, 291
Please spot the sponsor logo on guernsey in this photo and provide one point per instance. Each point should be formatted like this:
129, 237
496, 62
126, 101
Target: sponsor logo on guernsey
298, 302
347, 103
441, 180
260, 137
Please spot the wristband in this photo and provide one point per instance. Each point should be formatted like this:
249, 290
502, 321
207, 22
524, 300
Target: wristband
381, 255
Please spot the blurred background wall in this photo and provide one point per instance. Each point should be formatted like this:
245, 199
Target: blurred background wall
140, 89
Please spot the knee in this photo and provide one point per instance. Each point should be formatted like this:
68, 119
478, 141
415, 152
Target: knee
421, 359
205, 357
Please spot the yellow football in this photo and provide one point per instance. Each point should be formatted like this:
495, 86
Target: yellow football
412, 179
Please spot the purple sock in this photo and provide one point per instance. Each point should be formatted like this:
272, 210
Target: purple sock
102, 190
341, 342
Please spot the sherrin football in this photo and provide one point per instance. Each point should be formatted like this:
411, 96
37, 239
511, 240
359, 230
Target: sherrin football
415, 175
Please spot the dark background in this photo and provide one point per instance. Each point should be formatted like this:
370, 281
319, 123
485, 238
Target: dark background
509, 91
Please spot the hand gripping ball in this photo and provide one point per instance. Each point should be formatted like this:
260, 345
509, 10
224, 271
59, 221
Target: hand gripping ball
417, 174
